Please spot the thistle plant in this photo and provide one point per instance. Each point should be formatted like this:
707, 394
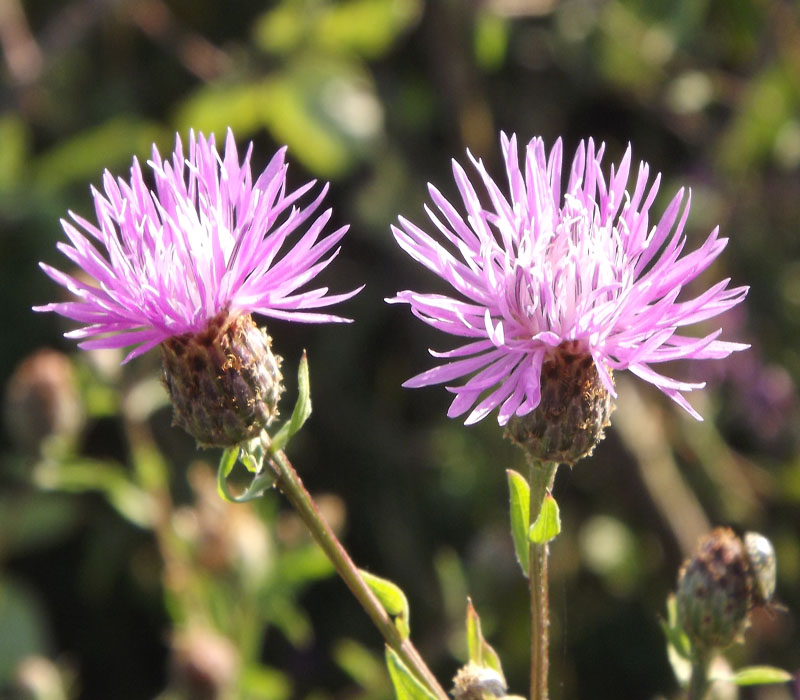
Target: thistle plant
184, 266
551, 294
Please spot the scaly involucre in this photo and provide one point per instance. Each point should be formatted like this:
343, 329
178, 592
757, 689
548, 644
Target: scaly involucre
532, 269
205, 240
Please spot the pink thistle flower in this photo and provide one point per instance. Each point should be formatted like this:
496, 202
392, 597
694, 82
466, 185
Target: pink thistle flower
205, 241
534, 272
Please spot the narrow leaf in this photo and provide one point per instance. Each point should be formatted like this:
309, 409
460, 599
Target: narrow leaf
392, 599
548, 524
520, 503
761, 675
474, 635
301, 412
406, 685
226, 462
481, 652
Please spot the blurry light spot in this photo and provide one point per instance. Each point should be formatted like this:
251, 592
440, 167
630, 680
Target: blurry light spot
353, 107
690, 93
787, 145
609, 550
657, 46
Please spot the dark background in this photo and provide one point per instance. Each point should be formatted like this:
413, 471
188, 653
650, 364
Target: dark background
376, 96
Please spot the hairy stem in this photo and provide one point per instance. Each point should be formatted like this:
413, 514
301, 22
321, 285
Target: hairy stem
289, 483
542, 475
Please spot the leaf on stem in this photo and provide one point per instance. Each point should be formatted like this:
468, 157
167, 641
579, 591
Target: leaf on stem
393, 600
481, 652
301, 412
759, 675
520, 503
548, 524
406, 685
226, 463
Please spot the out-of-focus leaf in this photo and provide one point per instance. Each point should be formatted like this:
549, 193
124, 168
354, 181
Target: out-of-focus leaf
365, 27
22, 627
361, 665
771, 100
14, 151
299, 566
520, 503
760, 675
491, 40
263, 683
548, 524
34, 520
392, 599
406, 685
86, 155
93, 475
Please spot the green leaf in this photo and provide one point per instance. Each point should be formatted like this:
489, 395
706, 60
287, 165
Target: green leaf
548, 524
481, 652
226, 463
760, 675
301, 412
392, 599
406, 685
520, 516
111, 480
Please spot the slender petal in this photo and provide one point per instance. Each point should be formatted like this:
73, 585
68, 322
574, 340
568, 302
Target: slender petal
531, 268
163, 262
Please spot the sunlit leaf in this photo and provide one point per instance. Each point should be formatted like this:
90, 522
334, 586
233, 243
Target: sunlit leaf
108, 145
406, 685
520, 517
760, 675
392, 599
481, 652
548, 524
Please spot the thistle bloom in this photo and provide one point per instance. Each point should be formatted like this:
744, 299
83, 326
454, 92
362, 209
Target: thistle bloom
184, 266
541, 279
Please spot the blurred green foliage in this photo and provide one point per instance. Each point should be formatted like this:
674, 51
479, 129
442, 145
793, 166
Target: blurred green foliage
108, 586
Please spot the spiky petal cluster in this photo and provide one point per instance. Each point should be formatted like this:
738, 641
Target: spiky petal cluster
205, 240
533, 269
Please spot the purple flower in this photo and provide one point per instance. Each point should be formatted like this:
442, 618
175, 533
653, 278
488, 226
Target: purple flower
206, 240
534, 269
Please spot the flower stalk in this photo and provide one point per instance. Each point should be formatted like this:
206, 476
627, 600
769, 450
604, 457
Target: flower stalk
698, 683
542, 475
289, 483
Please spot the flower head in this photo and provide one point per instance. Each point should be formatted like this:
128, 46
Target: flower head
205, 240
185, 265
538, 275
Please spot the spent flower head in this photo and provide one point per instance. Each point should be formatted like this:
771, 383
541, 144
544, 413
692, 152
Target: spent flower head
543, 280
183, 265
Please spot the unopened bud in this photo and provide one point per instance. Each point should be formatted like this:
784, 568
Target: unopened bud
42, 400
715, 591
224, 382
573, 413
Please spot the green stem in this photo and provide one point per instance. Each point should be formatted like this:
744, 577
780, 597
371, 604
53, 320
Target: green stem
699, 684
542, 475
288, 481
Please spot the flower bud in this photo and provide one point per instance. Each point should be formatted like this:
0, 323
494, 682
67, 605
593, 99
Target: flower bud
42, 400
715, 591
573, 413
224, 382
